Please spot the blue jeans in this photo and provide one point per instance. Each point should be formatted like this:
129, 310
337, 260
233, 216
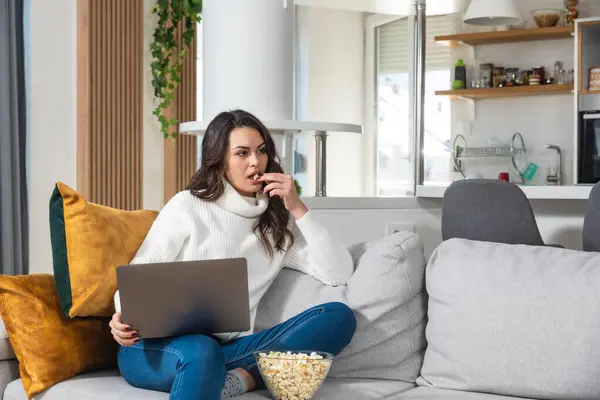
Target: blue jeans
194, 366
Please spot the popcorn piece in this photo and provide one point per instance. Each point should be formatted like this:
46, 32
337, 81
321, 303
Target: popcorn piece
293, 376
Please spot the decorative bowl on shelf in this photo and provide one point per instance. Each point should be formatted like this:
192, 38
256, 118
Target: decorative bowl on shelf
293, 375
546, 17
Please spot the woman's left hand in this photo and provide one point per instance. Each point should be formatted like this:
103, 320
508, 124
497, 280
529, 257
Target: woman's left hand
283, 186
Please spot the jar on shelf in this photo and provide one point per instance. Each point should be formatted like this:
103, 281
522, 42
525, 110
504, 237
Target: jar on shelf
558, 66
512, 74
524, 79
571, 76
562, 77
485, 74
534, 80
541, 72
497, 77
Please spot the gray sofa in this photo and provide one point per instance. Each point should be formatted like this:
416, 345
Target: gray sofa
483, 321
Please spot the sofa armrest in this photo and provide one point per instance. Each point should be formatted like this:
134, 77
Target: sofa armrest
9, 365
9, 371
6, 350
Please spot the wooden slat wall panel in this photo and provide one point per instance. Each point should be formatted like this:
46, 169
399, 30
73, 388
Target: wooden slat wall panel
186, 111
83, 97
113, 132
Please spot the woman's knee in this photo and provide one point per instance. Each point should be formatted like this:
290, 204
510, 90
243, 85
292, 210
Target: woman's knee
198, 350
342, 317
163, 357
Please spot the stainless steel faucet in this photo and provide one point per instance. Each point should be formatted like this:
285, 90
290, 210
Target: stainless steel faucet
555, 179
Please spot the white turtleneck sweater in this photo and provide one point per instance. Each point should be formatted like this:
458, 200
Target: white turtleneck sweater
189, 228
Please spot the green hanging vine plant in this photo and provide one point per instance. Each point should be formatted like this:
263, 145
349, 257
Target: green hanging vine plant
167, 58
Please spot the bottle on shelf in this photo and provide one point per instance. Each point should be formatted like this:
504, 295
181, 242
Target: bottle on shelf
460, 75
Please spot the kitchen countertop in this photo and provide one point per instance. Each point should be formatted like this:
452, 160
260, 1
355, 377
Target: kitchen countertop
576, 192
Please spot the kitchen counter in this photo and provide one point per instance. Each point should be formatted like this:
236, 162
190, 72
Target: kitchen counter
532, 192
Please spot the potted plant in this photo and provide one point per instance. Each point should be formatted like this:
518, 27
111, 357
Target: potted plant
167, 58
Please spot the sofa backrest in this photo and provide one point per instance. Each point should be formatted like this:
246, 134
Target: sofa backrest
591, 222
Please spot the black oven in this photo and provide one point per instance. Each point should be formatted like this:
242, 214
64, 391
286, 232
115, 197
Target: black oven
589, 147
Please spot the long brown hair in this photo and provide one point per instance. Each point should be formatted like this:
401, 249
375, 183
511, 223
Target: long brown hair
207, 182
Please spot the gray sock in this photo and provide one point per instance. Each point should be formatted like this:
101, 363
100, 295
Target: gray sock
235, 385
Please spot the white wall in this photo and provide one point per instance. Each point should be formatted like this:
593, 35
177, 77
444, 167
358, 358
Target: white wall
358, 225
52, 118
152, 168
560, 222
331, 89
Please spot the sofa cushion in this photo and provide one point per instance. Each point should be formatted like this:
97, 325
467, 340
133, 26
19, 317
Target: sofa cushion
88, 242
110, 385
513, 319
50, 347
349, 389
426, 393
387, 296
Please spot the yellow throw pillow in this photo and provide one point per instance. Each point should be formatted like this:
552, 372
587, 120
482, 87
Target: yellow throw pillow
49, 346
89, 241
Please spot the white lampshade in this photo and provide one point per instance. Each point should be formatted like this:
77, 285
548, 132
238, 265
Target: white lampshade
492, 13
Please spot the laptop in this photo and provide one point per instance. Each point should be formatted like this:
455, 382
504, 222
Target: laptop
185, 297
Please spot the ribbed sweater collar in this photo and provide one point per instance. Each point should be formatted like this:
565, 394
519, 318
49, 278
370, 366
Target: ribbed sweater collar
233, 202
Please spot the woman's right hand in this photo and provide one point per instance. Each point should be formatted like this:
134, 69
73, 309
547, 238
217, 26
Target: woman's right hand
122, 333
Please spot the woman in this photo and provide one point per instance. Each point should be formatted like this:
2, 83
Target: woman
238, 204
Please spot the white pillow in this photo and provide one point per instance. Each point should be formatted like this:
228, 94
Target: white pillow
387, 296
513, 320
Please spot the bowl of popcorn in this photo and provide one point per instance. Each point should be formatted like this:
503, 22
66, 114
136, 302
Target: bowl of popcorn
293, 375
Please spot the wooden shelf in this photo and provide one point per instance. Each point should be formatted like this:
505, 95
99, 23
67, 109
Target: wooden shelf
597, 91
510, 36
513, 91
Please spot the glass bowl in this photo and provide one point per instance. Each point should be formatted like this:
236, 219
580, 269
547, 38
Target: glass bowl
294, 375
546, 17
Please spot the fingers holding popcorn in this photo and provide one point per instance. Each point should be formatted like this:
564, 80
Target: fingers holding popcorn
283, 186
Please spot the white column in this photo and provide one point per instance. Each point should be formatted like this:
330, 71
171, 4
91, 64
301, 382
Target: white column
249, 57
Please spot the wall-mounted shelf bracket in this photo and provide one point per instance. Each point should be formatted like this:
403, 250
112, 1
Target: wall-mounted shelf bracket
471, 105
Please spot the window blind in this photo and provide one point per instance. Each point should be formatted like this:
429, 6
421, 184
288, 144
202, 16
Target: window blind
394, 46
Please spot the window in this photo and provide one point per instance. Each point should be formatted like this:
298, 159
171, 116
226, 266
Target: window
393, 93
394, 169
